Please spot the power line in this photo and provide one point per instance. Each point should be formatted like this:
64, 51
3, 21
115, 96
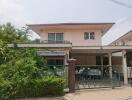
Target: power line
121, 3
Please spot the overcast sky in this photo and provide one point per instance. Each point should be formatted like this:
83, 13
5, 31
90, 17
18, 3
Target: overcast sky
21, 12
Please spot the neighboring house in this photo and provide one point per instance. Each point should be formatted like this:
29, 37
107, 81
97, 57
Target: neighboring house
81, 41
125, 40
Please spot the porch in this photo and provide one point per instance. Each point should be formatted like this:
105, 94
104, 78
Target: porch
97, 69
94, 68
97, 59
87, 55
103, 57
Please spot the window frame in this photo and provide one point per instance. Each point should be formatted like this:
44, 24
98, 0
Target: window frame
49, 36
89, 35
55, 36
92, 35
61, 37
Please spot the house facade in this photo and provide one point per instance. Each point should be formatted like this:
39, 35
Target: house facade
78, 36
81, 41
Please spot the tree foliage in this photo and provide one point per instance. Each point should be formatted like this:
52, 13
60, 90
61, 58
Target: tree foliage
9, 34
22, 72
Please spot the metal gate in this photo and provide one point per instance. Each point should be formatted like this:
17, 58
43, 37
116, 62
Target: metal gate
88, 77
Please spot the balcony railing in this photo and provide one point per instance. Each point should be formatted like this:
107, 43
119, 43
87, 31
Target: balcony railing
45, 43
55, 42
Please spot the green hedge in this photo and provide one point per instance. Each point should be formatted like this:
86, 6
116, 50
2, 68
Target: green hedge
22, 76
47, 86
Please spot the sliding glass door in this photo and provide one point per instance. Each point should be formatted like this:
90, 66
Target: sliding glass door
55, 37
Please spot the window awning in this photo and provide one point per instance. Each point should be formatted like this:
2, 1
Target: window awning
51, 53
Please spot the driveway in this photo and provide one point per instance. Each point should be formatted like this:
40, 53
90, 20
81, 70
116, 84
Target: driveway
122, 93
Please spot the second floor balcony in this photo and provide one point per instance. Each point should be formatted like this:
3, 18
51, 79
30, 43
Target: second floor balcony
55, 42
44, 44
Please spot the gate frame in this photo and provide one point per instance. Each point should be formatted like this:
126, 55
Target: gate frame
71, 75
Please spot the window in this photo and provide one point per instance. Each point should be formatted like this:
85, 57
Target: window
89, 35
55, 62
55, 36
86, 35
59, 36
51, 36
92, 35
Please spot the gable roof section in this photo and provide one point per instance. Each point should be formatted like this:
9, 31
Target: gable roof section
128, 34
121, 27
104, 27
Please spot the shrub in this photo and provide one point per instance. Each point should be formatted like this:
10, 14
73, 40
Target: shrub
22, 76
40, 87
27, 87
22, 72
4, 90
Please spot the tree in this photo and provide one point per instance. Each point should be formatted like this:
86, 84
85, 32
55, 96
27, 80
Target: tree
9, 34
22, 71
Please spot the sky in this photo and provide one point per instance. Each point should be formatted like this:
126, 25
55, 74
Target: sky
22, 12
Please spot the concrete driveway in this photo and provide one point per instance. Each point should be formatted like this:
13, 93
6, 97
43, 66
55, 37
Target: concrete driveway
122, 93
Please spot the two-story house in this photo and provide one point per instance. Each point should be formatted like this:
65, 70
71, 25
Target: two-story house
81, 41
76, 39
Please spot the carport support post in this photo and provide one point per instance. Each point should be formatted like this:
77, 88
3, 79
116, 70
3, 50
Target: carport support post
102, 60
71, 75
110, 65
124, 64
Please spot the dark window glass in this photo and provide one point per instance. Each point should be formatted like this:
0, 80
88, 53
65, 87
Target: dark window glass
59, 36
51, 36
86, 35
98, 60
89, 35
55, 37
105, 61
59, 62
92, 35
55, 62
129, 59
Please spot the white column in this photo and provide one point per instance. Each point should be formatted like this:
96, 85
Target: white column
124, 65
67, 54
66, 63
110, 64
66, 57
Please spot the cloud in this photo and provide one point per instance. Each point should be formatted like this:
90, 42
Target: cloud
13, 11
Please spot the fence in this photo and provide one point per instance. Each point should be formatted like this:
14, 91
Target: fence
97, 76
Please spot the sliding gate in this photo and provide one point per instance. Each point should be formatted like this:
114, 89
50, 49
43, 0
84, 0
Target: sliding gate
88, 77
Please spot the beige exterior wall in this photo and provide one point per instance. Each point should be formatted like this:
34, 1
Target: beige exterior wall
116, 60
84, 59
76, 37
